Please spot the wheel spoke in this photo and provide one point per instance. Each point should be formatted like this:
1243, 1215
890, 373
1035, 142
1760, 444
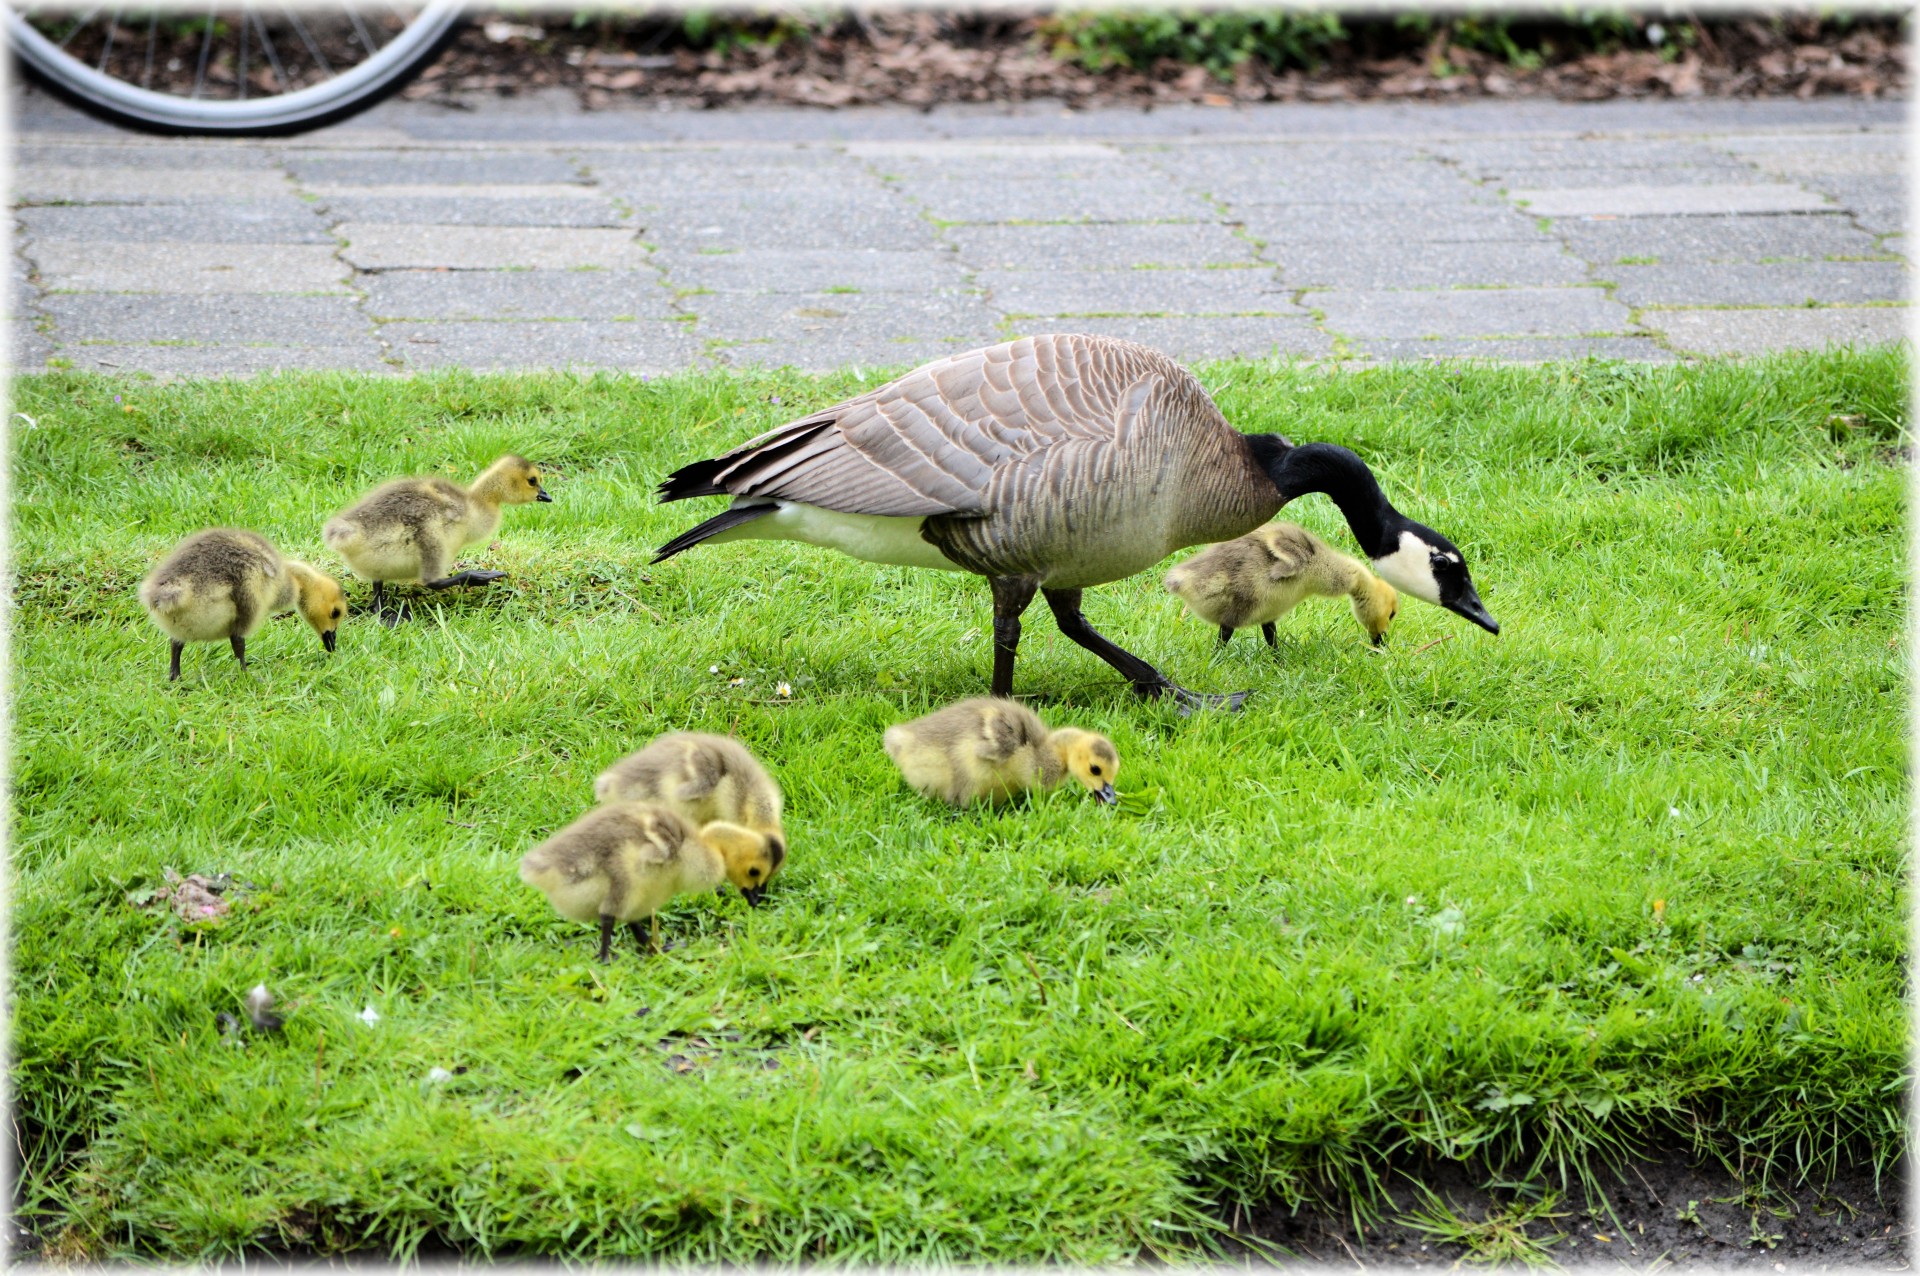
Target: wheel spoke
153, 37
106, 45
206, 49
300, 29
367, 41
76, 28
273, 54
242, 76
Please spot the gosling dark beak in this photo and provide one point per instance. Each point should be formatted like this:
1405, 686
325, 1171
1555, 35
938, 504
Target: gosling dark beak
1105, 795
326, 639
1379, 640
752, 895
544, 496
1469, 605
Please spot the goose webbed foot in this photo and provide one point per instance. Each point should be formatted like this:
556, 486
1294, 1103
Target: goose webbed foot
1148, 683
466, 578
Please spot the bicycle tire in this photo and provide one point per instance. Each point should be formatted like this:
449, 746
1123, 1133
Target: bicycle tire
312, 107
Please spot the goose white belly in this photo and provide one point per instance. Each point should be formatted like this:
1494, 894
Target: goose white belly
872, 538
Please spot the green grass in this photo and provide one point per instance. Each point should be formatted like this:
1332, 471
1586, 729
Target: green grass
1634, 867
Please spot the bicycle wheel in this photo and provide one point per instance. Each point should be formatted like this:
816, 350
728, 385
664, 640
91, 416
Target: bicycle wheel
236, 72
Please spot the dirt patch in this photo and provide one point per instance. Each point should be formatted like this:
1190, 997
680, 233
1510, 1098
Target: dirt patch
1670, 1207
926, 59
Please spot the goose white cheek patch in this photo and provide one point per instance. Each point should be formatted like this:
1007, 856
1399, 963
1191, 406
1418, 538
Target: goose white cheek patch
1409, 569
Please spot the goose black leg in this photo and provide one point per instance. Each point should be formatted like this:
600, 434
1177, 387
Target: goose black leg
606, 940
1226, 634
1147, 681
1272, 635
173, 672
239, 645
647, 947
389, 615
1011, 594
466, 578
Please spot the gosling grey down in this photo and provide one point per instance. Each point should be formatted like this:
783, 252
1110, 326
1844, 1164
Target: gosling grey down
1048, 464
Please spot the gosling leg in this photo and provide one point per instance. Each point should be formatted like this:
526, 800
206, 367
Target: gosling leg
466, 578
1226, 634
173, 670
606, 940
1148, 683
1271, 634
389, 615
239, 645
1011, 594
639, 934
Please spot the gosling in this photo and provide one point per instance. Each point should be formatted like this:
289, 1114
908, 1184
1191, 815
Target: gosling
1260, 577
410, 529
992, 749
702, 778
222, 582
625, 860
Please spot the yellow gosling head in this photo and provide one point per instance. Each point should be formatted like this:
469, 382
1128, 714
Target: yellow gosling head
1374, 606
751, 858
1091, 759
512, 480
323, 604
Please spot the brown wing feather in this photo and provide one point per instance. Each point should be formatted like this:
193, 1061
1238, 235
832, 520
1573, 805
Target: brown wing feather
1289, 547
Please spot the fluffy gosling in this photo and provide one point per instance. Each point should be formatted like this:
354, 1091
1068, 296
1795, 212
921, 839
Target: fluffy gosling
625, 860
1260, 577
411, 528
991, 749
702, 778
222, 582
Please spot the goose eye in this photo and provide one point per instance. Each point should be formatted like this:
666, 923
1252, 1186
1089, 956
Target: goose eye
336, 613
753, 872
1096, 768
533, 482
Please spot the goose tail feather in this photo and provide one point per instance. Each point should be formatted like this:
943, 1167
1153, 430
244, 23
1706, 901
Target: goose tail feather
712, 527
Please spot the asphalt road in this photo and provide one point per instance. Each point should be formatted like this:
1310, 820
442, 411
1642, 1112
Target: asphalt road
526, 233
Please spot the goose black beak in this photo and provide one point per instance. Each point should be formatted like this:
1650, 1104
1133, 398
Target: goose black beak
544, 497
326, 639
1379, 640
1469, 605
1106, 796
752, 895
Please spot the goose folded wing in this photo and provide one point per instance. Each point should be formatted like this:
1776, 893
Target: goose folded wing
1289, 551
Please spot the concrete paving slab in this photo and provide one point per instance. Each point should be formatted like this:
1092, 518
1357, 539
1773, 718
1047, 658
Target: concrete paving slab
450, 210
1443, 265
227, 360
648, 345
839, 320
90, 184
1673, 240
430, 168
1535, 350
816, 270
1891, 141
281, 221
879, 357
390, 246
701, 174
1492, 157
27, 347
1849, 189
1100, 246
163, 317
797, 225
1776, 284
1219, 337
1136, 292
1421, 182
1279, 224
79, 266
1802, 165
1722, 332
145, 153
1668, 200
1488, 312
950, 200
517, 294
1558, 179
1880, 219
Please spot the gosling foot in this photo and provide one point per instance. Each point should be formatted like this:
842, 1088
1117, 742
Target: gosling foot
1187, 701
466, 578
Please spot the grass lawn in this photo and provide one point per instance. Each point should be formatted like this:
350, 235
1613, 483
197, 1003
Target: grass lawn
1634, 867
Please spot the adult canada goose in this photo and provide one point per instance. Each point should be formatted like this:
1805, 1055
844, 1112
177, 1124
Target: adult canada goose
1049, 464
411, 528
221, 583
1263, 575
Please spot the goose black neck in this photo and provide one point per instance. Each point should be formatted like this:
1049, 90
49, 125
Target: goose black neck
1343, 476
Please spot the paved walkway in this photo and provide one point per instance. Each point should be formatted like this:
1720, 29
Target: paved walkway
525, 233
